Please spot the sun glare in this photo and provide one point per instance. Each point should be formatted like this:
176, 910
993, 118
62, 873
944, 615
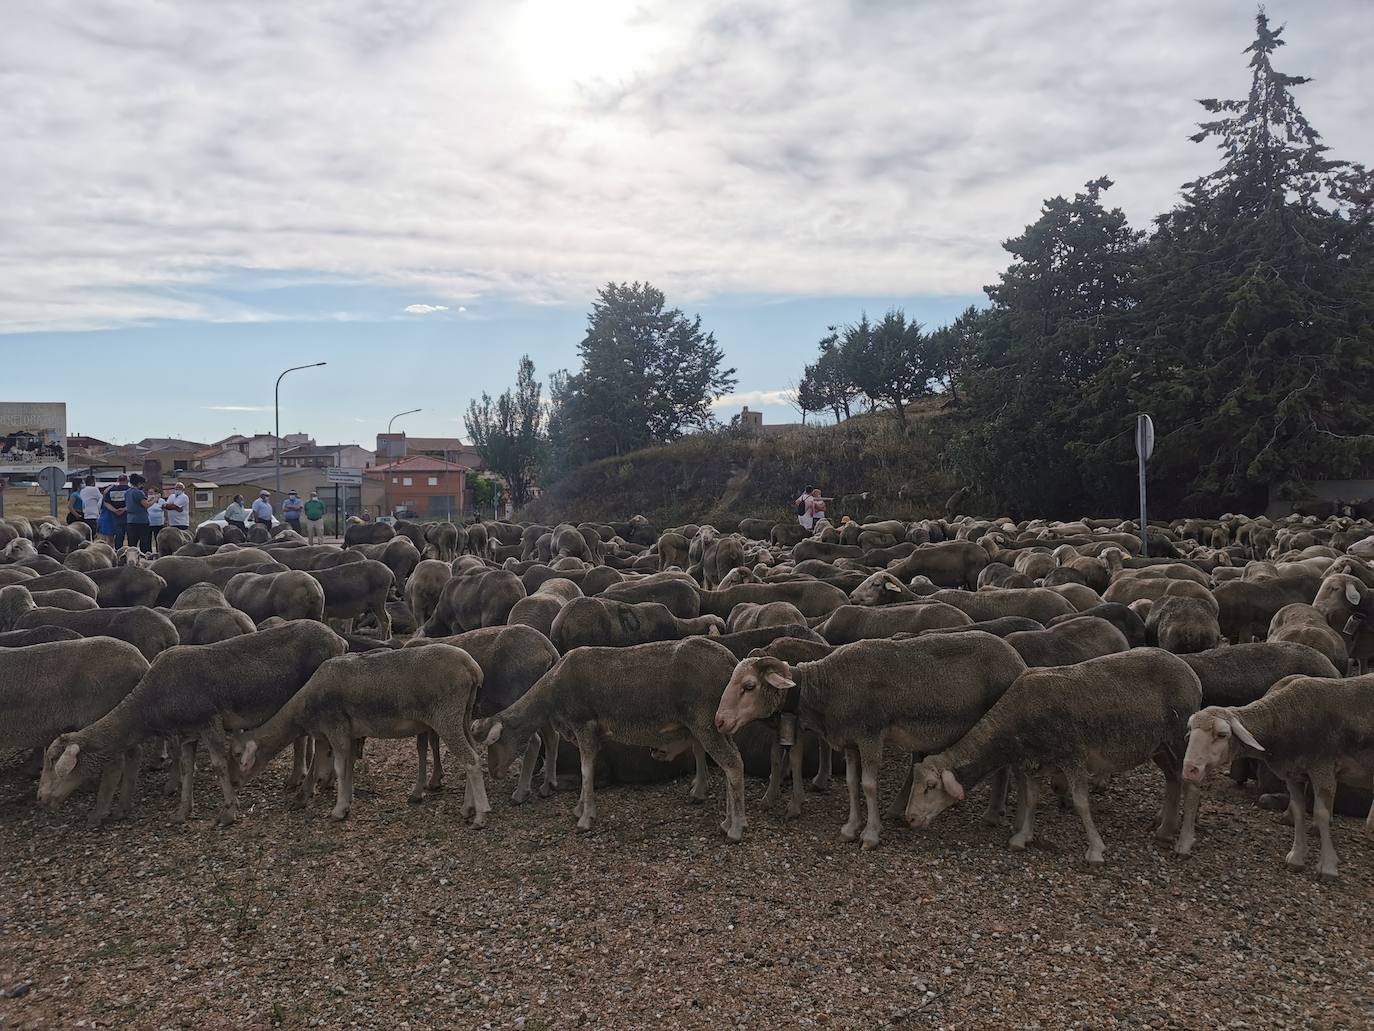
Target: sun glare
561, 44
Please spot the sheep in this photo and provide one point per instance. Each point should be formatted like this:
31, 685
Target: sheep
663, 694
1105, 715
812, 597
148, 631
471, 600
743, 642
208, 625
126, 586
1067, 643
72, 601
675, 590
292, 594
1120, 616
540, 608
1242, 673
751, 616
38, 635
851, 623
1347, 604
1246, 607
62, 580
425, 586
1002, 626
189, 692
947, 563
49, 689
1306, 624
513, 658
402, 693
881, 588
1038, 603
1181, 624
919, 694
355, 588
1305, 729
599, 622
398, 554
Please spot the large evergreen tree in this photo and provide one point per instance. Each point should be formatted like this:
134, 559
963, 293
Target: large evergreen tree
1253, 345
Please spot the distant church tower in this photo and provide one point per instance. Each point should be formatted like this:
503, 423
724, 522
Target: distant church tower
749, 421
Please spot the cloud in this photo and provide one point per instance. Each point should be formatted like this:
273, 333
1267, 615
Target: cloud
753, 397
530, 150
426, 309
237, 408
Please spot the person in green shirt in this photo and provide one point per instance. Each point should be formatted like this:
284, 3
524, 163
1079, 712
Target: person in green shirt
314, 519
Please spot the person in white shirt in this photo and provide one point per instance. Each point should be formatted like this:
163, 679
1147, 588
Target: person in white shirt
262, 510
91, 500
177, 508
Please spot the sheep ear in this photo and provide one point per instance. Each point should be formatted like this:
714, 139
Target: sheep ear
1352, 594
66, 762
494, 734
713, 631
890, 586
779, 680
1243, 735
952, 785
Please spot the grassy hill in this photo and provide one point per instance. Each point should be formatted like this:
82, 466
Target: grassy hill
728, 475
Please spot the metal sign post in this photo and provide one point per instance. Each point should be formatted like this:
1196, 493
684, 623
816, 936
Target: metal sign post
51, 478
1144, 448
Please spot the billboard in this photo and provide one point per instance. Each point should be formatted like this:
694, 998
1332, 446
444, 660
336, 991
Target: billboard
32, 435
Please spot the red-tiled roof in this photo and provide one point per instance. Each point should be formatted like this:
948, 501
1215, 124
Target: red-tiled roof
418, 463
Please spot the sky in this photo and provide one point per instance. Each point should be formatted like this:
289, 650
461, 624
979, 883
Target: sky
195, 196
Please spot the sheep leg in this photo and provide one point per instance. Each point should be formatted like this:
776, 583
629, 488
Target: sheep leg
1027, 798
457, 734
821, 781
850, 830
436, 774
708, 739
417, 793
995, 815
1078, 792
172, 784
186, 764
321, 760
1297, 856
774, 791
343, 775
128, 785
299, 762
794, 801
383, 619
1323, 799
871, 759
550, 783
896, 810
527, 761
1169, 764
585, 810
698, 790
218, 747
1192, 795
104, 794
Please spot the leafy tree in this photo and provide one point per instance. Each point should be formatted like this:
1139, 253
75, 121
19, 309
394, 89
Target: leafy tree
826, 384
953, 349
648, 375
1252, 347
887, 362
1058, 316
484, 493
508, 432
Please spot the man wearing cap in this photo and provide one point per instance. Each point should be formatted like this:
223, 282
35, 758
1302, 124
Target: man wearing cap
314, 518
291, 510
262, 510
176, 509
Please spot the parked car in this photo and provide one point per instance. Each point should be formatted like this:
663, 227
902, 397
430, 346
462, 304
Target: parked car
218, 520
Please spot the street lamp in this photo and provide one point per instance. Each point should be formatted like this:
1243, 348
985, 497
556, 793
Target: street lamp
276, 408
386, 476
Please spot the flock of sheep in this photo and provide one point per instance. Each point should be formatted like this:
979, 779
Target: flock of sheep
979, 651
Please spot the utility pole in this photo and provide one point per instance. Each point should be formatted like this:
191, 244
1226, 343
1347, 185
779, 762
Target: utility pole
276, 408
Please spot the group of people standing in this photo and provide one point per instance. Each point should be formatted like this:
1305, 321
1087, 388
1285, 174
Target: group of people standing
811, 508
128, 510
293, 510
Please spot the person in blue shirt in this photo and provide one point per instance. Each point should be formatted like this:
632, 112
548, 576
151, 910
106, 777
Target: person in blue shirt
136, 505
112, 522
291, 510
262, 511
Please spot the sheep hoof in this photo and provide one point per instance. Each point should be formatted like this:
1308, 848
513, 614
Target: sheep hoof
415, 796
1294, 862
991, 819
545, 790
769, 798
584, 825
695, 799
180, 816
521, 796
732, 833
334, 814
227, 818
93, 822
479, 820
1273, 801
1094, 862
435, 785
869, 842
849, 833
1018, 843
793, 812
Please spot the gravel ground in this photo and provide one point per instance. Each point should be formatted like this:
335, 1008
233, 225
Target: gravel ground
405, 918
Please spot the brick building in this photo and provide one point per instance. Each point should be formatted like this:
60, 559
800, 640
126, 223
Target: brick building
431, 488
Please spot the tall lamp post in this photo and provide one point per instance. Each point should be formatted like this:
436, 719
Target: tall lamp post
276, 408
386, 477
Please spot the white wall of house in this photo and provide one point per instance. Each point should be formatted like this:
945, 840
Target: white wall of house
230, 458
